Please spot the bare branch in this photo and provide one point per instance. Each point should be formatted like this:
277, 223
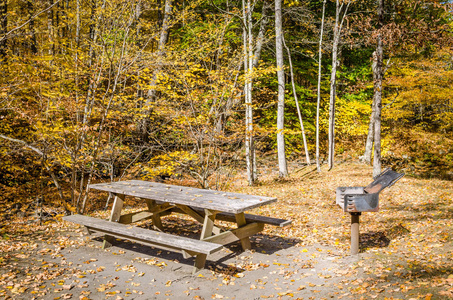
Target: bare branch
388, 104
23, 143
29, 20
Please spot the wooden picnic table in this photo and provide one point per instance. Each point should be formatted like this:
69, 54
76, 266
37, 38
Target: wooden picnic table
205, 206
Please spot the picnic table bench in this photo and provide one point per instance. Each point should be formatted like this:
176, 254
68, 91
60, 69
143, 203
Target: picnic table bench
205, 206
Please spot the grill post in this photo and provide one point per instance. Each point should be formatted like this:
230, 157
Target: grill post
355, 233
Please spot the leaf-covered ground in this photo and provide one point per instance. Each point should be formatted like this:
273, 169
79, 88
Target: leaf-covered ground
406, 250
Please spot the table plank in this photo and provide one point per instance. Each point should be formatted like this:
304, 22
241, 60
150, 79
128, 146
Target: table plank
200, 198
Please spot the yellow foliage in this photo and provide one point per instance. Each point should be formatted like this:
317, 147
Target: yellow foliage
167, 164
424, 89
351, 117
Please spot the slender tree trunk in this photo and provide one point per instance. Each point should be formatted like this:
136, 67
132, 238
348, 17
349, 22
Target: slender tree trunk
93, 35
163, 38
333, 87
378, 75
50, 28
249, 90
333, 82
318, 102
114, 85
31, 26
260, 36
226, 110
3, 28
94, 82
282, 167
302, 128
76, 150
366, 158
138, 13
247, 41
333, 77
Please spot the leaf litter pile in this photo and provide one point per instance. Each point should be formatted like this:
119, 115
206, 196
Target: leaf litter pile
406, 249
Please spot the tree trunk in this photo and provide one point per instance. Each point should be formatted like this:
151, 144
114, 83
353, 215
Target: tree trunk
260, 36
283, 170
333, 77
50, 28
163, 38
378, 78
3, 28
248, 71
302, 128
366, 158
318, 102
114, 84
333, 85
225, 111
31, 26
76, 150
90, 98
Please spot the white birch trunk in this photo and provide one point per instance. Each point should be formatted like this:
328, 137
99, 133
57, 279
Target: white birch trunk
333, 78
366, 158
246, 14
378, 94
318, 102
302, 128
225, 111
282, 167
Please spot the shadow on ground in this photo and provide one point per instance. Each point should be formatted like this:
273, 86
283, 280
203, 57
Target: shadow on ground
262, 243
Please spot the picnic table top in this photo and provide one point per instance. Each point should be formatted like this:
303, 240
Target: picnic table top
189, 196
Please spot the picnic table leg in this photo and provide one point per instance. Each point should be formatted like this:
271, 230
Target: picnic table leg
245, 242
114, 217
200, 261
157, 223
197, 216
208, 224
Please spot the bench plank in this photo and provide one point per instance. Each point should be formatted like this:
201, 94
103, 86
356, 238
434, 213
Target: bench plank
145, 235
256, 219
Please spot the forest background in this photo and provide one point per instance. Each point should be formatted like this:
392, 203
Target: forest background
103, 90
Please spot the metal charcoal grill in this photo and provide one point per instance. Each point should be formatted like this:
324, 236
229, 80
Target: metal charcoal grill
362, 199
356, 200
